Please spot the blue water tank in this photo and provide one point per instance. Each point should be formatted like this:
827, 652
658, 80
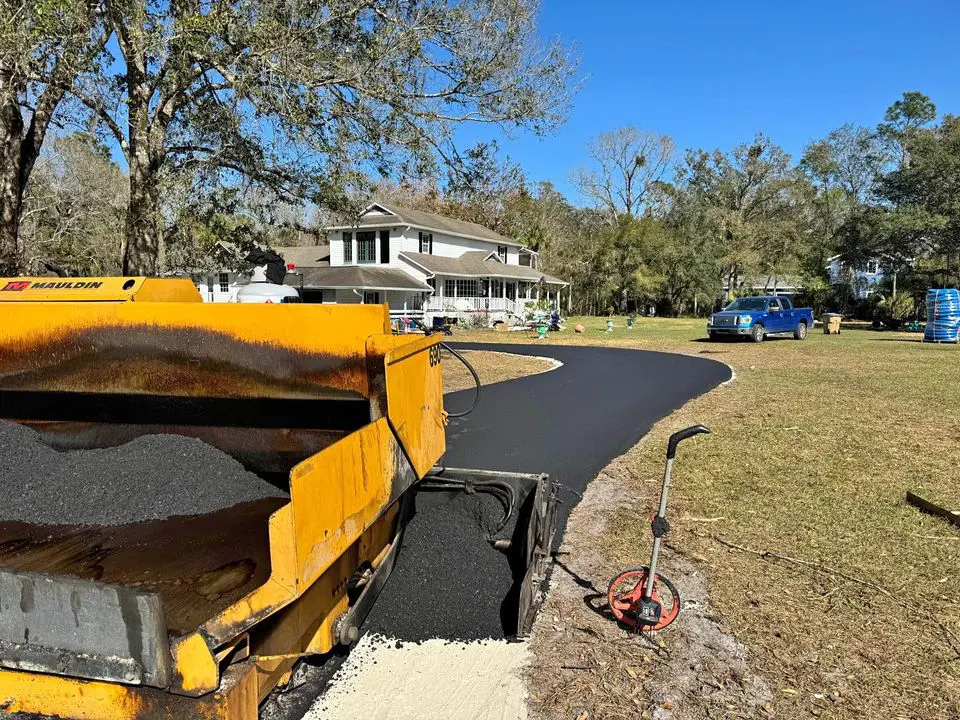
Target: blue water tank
943, 315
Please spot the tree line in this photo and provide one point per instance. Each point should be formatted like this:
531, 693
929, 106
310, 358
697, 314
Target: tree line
135, 135
684, 232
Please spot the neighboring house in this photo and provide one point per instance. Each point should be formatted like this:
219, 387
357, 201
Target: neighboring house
222, 285
219, 286
423, 265
862, 281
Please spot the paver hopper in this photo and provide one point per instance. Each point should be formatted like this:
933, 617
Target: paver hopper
203, 616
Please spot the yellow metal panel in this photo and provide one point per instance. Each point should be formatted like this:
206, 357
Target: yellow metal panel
168, 290
339, 492
103, 289
195, 668
54, 696
414, 388
207, 349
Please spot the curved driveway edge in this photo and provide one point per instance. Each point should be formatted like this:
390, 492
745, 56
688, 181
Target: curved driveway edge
572, 421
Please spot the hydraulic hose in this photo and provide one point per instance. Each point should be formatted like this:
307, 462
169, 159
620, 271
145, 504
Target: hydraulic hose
476, 380
503, 492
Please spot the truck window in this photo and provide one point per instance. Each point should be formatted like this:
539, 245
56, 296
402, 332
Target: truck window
775, 306
787, 303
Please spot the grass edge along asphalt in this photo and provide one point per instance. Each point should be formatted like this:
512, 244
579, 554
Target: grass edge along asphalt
846, 597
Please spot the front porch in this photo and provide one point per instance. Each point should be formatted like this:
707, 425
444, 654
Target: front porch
456, 295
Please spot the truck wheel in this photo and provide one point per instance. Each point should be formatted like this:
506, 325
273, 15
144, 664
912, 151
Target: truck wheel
756, 333
801, 332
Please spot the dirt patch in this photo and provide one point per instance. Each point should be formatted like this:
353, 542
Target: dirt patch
492, 367
587, 666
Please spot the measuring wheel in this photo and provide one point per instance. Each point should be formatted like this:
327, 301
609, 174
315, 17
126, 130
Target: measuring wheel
629, 606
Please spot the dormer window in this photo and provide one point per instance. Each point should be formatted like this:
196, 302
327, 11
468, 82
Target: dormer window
502, 253
426, 243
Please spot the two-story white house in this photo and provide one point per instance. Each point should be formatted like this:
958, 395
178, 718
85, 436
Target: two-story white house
424, 265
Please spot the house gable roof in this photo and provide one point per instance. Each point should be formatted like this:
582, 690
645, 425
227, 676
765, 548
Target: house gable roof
307, 256
378, 215
349, 277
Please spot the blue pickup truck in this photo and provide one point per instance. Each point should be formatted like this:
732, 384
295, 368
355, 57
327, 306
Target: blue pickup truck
757, 317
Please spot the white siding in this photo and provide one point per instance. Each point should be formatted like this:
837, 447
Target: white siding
413, 270
404, 239
211, 290
449, 246
335, 238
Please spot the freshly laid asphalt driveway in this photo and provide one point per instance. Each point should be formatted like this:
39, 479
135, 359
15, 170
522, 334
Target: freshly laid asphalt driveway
569, 423
572, 421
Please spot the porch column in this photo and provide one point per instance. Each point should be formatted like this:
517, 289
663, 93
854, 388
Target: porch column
503, 289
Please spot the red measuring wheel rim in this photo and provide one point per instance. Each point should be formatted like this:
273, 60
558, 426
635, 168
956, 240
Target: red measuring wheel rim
622, 600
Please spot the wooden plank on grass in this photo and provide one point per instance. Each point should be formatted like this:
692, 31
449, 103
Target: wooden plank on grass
952, 516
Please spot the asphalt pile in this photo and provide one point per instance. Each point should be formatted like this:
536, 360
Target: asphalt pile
449, 582
150, 478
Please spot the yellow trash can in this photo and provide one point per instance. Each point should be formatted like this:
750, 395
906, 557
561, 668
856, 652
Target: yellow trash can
831, 323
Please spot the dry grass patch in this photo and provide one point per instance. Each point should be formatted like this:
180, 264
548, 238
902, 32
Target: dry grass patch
492, 367
814, 446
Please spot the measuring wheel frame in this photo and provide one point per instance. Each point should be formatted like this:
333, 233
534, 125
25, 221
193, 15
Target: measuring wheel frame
636, 596
626, 590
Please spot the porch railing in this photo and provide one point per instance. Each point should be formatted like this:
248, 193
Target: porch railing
476, 304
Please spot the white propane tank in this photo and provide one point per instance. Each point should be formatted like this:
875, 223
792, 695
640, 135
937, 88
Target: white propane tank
260, 291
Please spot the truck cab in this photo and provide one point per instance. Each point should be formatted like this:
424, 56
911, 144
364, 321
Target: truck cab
757, 317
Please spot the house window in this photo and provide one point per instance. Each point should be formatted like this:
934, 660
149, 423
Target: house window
511, 291
384, 246
449, 288
371, 297
873, 267
496, 288
366, 247
426, 243
468, 288
210, 284
347, 248
224, 281
502, 253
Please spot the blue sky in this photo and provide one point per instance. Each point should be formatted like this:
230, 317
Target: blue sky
712, 74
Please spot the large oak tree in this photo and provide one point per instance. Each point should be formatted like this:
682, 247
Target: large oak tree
298, 101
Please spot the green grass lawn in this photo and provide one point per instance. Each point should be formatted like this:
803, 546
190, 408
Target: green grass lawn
813, 447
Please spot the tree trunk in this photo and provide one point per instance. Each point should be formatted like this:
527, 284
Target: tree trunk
142, 231
11, 187
10, 206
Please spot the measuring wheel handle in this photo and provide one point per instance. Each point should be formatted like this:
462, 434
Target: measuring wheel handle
681, 435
